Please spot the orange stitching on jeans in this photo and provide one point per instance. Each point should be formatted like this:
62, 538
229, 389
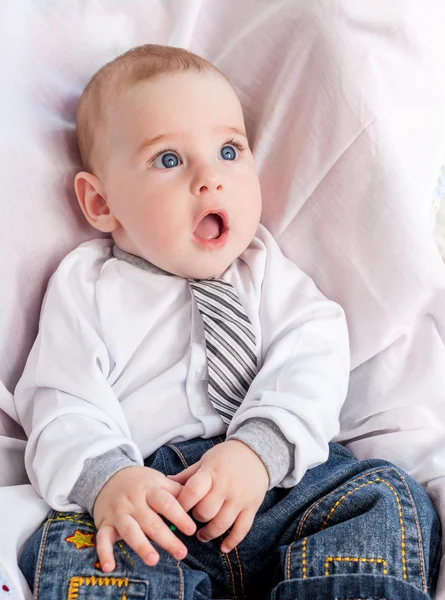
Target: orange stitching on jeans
42, 552
180, 581
419, 535
303, 558
354, 559
76, 582
66, 516
333, 509
399, 509
226, 558
300, 529
72, 518
74, 521
180, 453
419, 552
288, 558
240, 572
121, 546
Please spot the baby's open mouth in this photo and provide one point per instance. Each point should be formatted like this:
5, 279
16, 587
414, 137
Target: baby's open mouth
210, 227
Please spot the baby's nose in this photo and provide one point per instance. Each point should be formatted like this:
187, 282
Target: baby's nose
207, 180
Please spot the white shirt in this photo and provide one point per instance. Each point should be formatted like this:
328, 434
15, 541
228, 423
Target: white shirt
120, 362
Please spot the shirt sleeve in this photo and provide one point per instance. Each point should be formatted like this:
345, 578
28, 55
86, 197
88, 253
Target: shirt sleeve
304, 360
95, 474
270, 445
64, 401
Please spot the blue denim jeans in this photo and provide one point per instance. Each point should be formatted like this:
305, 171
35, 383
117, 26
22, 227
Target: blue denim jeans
350, 529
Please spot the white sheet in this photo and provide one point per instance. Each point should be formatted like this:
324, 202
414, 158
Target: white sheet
344, 104
439, 205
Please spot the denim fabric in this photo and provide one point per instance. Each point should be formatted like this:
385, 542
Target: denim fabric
351, 529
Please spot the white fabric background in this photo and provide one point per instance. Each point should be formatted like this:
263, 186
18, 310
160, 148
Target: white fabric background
440, 230
439, 201
344, 105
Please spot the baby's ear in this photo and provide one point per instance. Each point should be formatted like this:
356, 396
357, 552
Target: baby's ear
93, 202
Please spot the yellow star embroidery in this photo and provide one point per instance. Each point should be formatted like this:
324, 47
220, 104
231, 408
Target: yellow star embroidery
81, 540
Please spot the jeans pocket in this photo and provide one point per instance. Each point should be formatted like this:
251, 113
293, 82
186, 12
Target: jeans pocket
66, 564
341, 587
367, 526
112, 588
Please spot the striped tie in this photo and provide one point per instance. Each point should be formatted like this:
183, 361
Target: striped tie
230, 344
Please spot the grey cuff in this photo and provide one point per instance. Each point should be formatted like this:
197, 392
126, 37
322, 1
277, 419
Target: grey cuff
266, 440
95, 474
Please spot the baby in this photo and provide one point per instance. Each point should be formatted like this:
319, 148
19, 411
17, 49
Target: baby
187, 378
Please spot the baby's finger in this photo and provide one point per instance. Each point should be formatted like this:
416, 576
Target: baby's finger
185, 475
105, 538
239, 530
220, 524
160, 533
209, 506
163, 503
173, 487
130, 531
195, 489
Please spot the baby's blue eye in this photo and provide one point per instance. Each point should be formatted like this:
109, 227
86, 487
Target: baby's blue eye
168, 160
228, 153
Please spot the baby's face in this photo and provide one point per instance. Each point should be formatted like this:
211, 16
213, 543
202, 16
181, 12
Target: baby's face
179, 176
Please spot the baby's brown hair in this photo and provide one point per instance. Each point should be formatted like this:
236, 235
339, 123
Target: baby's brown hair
138, 64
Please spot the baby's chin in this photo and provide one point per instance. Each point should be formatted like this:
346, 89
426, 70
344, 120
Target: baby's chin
209, 269
198, 263
204, 273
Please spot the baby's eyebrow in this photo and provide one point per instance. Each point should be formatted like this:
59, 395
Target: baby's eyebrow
235, 130
169, 136
151, 142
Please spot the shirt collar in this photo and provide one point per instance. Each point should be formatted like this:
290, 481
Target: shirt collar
137, 261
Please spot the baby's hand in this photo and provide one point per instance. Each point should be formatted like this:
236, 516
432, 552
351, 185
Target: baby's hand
226, 488
129, 506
